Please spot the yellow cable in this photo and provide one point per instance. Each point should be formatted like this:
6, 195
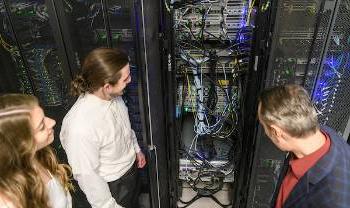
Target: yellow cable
8, 47
5, 45
250, 10
189, 88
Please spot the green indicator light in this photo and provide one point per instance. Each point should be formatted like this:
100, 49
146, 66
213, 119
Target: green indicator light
117, 36
288, 71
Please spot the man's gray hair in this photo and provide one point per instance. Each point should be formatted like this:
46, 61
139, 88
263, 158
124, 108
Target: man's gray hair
290, 108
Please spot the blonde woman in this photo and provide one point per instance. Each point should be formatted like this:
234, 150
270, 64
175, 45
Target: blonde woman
30, 176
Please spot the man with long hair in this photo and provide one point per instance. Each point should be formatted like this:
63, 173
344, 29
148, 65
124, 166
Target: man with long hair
96, 134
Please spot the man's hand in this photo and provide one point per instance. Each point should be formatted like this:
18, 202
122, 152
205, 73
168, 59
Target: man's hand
141, 160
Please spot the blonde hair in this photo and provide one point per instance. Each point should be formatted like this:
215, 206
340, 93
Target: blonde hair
290, 108
20, 181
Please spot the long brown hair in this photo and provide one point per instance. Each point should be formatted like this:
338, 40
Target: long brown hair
101, 66
20, 181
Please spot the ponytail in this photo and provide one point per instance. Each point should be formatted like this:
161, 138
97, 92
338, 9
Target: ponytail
79, 86
100, 66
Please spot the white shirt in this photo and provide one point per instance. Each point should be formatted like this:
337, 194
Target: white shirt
58, 197
100, 145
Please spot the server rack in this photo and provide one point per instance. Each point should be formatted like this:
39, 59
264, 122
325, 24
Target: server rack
331, 83
32, 57
301, 40
206, 39
27, 37
43, 43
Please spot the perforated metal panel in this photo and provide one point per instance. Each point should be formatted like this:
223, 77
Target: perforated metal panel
298, 47
292, 42
331, 93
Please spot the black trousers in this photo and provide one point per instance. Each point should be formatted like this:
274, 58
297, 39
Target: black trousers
125, 190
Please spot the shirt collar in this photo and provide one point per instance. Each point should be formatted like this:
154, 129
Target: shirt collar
299, 166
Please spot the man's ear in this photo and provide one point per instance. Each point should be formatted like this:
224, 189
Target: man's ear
106, 87
276, 131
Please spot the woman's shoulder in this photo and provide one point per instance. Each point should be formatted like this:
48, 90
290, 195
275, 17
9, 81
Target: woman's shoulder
5, 202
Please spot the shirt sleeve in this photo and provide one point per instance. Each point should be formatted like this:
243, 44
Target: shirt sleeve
82, 150
124, 109
96, 190
135, 142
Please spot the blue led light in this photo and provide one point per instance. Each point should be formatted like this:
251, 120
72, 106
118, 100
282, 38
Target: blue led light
329, 62
243, 18
339, 61
329, 74
332, 65
244, 11
241, 38
318, 96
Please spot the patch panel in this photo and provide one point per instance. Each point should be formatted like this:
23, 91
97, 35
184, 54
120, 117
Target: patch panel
225, 14
188, 170
188, 99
